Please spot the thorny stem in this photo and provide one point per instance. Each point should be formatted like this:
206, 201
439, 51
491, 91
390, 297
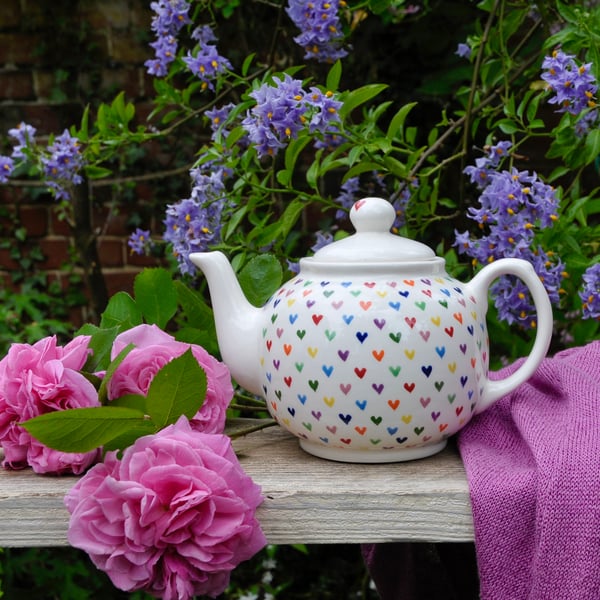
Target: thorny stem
262, 424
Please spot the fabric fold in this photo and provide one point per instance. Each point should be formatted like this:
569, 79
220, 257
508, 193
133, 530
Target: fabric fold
533, 466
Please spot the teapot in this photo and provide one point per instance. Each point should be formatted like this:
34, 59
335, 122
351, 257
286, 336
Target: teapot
372, 353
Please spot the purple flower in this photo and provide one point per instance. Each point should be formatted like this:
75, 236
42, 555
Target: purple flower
278, 115
140, 241
479, 173
573, 85
24, 134
170, 16
321, 31
194, 224
165, 50
62, 165
348, 196
206, 62
590, 292
173, 517
218, 118
284, 109
512, 206
463, 50
6, 168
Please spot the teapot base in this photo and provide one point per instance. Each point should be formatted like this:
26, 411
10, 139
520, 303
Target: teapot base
374, 456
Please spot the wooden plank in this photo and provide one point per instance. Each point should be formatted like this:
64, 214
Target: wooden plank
311, 500
307, 499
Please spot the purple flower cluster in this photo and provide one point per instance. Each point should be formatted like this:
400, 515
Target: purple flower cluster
512, 205
6, 168
284, 109
24, 135
170, 16
205, 61
62, 165
590, 292
140, 241
321, 31
463, 50
574, 85
194, 224
218, 118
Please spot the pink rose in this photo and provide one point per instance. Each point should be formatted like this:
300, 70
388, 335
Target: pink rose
37, 379
153, 349
173, 517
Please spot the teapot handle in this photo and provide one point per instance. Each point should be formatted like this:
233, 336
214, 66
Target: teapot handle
479, 285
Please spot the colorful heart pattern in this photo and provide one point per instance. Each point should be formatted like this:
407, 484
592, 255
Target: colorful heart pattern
374, 364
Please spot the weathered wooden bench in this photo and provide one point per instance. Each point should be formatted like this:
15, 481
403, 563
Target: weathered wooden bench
308, 500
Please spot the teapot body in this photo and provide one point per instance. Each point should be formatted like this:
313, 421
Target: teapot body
375, 368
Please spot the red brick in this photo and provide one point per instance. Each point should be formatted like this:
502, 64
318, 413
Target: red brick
34, 219
20, 48
111, 252
16, 85
6, 262
58, 226
120, 280
56, 252
109, 222
125, 79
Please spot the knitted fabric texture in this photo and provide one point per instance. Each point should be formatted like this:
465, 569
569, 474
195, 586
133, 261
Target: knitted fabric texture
533, 466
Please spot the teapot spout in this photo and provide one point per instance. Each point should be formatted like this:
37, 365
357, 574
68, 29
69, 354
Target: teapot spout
236, 320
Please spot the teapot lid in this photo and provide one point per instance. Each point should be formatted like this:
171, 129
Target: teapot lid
373, 242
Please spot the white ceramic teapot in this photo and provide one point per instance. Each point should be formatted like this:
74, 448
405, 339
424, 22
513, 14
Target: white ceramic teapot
372, 353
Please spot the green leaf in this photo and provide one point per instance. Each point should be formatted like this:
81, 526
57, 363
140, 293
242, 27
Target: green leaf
246, 64
134, 401
260, 278
94, 172
507, 126
398, 119
179, 388
334, 76
122, 312
101, 344
293, 150
357, 97
84, 429
112, 367
196, 311
592, 146
361, 168
156, 296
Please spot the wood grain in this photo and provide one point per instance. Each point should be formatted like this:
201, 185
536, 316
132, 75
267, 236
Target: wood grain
307, 499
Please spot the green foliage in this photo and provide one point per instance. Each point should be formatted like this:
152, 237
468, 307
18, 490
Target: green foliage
177, 389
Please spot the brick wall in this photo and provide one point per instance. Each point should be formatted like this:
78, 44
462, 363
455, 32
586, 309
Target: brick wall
57, 56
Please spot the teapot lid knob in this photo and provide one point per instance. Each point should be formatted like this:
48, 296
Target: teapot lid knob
372, 214
373, 242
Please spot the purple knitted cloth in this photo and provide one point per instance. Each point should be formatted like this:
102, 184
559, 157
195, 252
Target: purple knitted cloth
533, 466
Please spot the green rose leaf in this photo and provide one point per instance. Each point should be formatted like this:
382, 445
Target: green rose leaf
84, 429
112, 367
260, 278
179, 388
101, 343
156, 296
122, 312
